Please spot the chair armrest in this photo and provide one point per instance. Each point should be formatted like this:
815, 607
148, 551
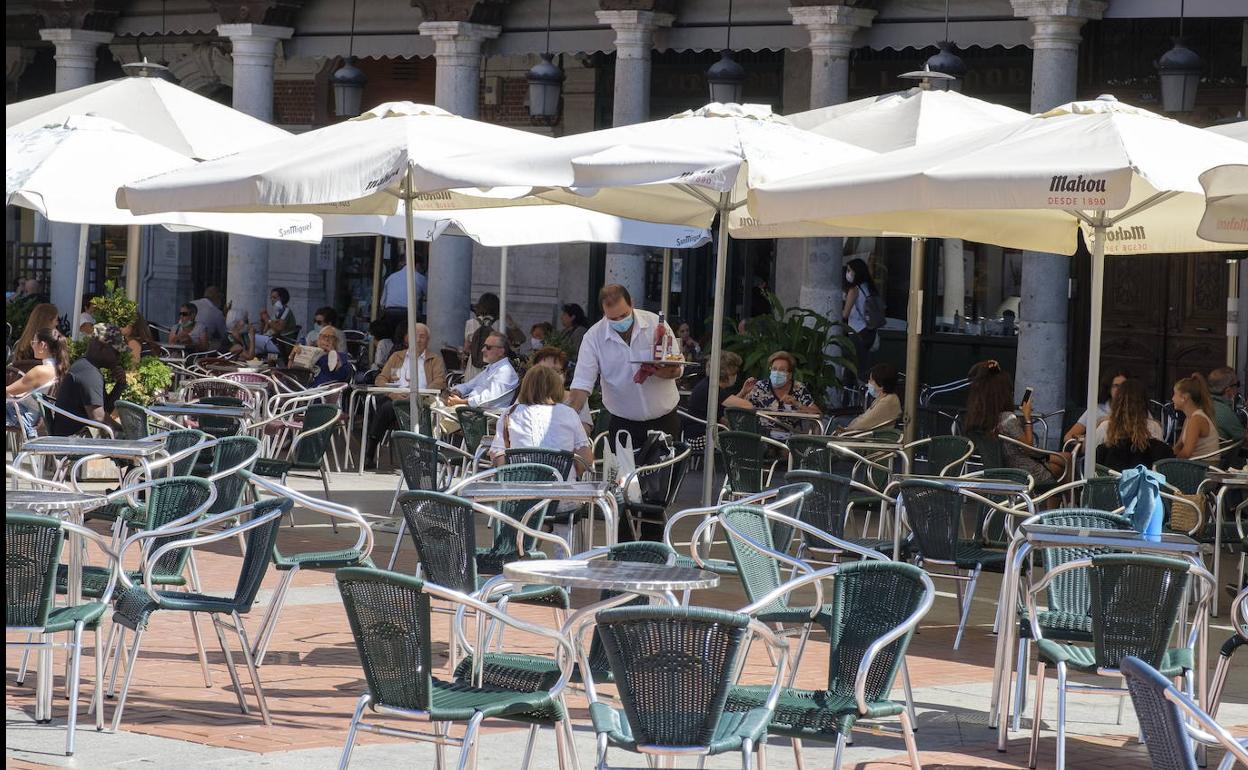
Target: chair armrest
104, 545
363, 544
46, 404
906, 626
30, 478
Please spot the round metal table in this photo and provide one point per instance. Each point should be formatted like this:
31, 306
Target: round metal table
52, 502
631, 577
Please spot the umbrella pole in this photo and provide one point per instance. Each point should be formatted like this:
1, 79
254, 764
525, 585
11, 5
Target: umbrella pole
502, 292
914, 320
1094, 344
132, 261
665, 301
376, 303
1232, 313
717, 342
80, 282
409, 261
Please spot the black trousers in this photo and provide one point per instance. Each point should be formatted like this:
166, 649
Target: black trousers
382, 419
637, 431
863, 342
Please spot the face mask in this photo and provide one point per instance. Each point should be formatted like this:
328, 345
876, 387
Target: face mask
535, 342
849, 276
779, 378
622, 325
316, 328
872, 391
278, 306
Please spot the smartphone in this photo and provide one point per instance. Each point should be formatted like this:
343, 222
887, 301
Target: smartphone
1027, 395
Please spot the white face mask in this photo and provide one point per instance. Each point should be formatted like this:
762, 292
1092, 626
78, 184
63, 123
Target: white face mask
536, 343
849, 276
872, 390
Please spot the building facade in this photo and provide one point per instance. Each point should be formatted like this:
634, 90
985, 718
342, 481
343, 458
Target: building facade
632, 60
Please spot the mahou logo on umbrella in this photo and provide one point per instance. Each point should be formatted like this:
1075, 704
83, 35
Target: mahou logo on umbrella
1079, 183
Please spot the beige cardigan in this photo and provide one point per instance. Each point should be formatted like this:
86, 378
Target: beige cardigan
884, 411
435, 370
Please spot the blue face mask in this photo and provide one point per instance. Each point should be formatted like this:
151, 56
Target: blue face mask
622, 325
872, 391
779, 378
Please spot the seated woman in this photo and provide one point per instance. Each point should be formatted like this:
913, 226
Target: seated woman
238, 336
779, 392
332, 366
1200, 435
990, 411
539, 418
885, 410
52, 352
42, 316
1126, 438
140, 340
1111, 380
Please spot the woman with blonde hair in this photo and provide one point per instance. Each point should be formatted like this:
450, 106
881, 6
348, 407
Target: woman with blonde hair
42, 316
1128, 437
1200, 436
539, 418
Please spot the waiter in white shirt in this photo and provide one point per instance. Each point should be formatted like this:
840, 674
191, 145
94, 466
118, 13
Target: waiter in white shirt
639, 397
394, 300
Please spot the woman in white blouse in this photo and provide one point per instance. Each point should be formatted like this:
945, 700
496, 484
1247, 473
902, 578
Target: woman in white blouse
539, 418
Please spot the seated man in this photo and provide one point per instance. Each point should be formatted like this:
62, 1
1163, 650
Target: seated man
189, 331
495, 385
82, 392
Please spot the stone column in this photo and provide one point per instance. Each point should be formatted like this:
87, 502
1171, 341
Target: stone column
832, 29
253, 49
634, 39
76, 54
1044, 306
457, 48
953, 265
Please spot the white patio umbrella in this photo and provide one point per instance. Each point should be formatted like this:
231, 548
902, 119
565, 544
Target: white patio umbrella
686, 169
1226, 204
1127, 177
69, 171
359, 166
894, 121
165, 113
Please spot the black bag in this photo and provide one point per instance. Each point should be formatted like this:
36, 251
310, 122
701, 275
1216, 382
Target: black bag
873, 309
656, 448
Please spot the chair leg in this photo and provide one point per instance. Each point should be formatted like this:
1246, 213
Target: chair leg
528, 746
840, 751
21, 670
115, 636
966, 606
761, 750
439, 748
229, 665
799, 761
345, 759
1061, 717
199, 647
561, 749
325, 483
269, 622
912, 750
1020, 695
251, 668
398, 540
905, 684
125, 683
1217, 683
601, 762
566, 723
75, 669
97, 697
1037, 716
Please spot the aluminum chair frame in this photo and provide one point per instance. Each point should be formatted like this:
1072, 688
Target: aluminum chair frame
1239, 623
1064, 685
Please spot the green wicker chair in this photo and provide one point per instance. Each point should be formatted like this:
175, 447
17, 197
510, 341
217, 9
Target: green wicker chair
827, 507
742, 420
505, 547
992, 529
307, 455
528, 672
811, 453
475, 424
663, 479
183, 448
443, 530
933, 512
424, 464
289, 564
1069, 597
1101, 492
220, 427
564, 463
231, 456
748, 463
137, 601
1136, 599
674, 668
945, 455
1170, 720
871, 612
32, 551
134, 421
390, 620
1183, 475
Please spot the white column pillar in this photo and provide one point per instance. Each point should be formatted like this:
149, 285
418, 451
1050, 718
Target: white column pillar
953, 265
1044, 306
253, 50
634, 39
76, 54
832, 29
457, 48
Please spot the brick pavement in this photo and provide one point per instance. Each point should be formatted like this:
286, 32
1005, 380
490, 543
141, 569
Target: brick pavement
312, 679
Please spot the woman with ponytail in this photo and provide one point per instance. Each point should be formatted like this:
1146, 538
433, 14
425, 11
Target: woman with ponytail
52, 352
1200, 436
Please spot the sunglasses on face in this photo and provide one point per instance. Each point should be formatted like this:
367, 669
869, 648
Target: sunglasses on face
492, 347
319, 321
183, 314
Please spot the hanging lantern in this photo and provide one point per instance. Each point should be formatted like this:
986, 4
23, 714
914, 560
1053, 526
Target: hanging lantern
348, 82
947, 62
726, 79
1179, 70
545, 86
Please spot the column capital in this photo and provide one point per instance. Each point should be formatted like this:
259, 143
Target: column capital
71, 39
832, 27
1057, 24
247, 31
634, 30
458, 37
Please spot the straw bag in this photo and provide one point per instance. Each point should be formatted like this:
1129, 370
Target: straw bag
1185, 512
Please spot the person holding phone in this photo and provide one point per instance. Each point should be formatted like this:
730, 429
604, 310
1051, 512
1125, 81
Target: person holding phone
990, 411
